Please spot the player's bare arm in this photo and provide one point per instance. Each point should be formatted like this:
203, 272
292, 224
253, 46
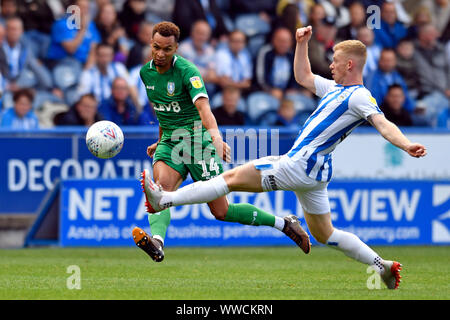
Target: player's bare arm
393, 134
209, 122
302, 66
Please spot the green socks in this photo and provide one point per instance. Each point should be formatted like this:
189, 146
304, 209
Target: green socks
248, 214
243, 213
159, 222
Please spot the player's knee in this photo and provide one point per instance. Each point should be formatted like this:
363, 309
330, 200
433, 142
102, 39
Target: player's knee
219, 213
230, 178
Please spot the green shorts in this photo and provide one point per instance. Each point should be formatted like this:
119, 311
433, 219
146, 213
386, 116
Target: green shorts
194, 154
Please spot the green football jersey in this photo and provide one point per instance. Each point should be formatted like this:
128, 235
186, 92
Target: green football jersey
173, 93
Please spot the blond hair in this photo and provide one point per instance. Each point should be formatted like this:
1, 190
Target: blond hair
353, 48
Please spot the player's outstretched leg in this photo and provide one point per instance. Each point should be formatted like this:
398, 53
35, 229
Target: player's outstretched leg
323, 231
153, 247
207, 191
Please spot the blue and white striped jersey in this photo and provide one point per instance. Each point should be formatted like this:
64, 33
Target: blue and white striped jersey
340, 110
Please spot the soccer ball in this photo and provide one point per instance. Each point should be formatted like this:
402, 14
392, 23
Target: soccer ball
104, 139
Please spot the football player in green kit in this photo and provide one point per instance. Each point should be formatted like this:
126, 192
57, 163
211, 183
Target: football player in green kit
189, 142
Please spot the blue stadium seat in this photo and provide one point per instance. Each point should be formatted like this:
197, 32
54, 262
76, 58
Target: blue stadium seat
7, 100
66, 73
268, 118
27, 79
301, 102
71, 96
255, 43
216, 102
259, 103
42, 97
251, 24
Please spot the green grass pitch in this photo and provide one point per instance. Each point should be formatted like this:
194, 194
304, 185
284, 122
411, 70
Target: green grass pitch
218, 273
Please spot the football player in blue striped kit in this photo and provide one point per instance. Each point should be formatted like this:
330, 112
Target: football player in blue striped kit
307, 168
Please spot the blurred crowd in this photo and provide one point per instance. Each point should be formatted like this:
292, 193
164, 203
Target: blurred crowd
76, 62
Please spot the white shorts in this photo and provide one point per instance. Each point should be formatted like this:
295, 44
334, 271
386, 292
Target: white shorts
283, 173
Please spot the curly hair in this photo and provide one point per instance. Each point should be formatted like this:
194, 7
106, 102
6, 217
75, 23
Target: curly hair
167, 29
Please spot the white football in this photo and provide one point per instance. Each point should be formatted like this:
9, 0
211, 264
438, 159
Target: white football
104, 139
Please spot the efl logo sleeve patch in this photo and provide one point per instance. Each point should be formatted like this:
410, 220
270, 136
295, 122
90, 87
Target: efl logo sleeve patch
196, 82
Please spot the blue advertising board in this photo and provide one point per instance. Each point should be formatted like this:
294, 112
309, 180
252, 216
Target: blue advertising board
31, 162
103, 213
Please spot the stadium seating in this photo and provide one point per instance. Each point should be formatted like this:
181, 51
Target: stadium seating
216, 102
259, 103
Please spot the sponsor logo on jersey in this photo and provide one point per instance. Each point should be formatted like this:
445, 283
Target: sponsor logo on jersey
150, 87
196, 82
170, 88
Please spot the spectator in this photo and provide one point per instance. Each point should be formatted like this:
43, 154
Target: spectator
135, 78
233, 63
261, 7
321, 47
187, 12
111, 31
227, 114
8, 9
422, 16
159, 10
391, 30
392, 106
286, 115
274, 65
83, 113
337, 10
147, 115
20, 58
434, 70
440, 13
144, 38
98, 79
406, 66
69, 41
197, 49
293, 14
316, 15
20, 116
38, 17
131, 17
119, 108
357, 20
366, 36
386, 75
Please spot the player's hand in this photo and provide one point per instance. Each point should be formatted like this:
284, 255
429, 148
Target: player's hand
416, 150
151, 149
303, 34
223, 149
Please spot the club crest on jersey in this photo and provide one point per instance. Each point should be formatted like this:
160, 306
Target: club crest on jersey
196, 82
170, 88
342, 97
